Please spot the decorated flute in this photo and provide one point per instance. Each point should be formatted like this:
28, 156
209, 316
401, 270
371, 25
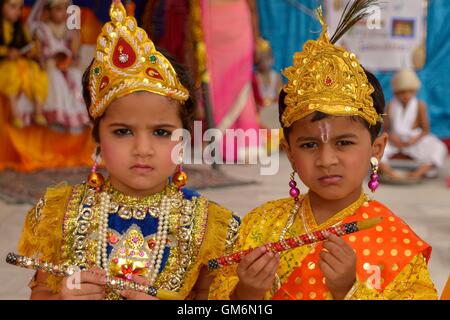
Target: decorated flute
66, 271
301, 240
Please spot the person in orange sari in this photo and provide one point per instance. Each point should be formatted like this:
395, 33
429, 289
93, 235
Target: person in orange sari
331, 111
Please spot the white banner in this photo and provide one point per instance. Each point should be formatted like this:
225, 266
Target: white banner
391, 38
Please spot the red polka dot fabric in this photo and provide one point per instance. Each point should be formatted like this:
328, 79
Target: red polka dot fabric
382, 252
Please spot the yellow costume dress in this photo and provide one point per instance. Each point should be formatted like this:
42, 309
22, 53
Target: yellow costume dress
167, 237
65, 228
392, 249
391, 258
21, 75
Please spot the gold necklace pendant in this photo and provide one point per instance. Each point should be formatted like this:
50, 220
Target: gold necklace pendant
138, 212
129, 207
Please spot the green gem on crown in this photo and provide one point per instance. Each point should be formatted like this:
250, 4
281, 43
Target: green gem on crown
153, 59
97, 70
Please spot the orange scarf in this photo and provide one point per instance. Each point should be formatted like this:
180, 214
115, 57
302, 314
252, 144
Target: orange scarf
384, 250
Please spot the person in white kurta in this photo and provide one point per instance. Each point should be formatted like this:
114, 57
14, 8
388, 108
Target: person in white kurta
64, 108
409, 130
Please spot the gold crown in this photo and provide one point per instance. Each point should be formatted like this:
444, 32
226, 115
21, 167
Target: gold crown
329, 79
126, 61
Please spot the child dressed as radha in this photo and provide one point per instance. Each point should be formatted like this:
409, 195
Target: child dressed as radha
330, 110
140, 223
22, 80
64, 107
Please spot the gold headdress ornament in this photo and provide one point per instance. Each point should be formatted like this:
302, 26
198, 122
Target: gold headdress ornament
126, 61
262, 45
327, 78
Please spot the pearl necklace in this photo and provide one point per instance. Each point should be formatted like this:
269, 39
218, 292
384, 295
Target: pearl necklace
161, 240
161, 236
102, 256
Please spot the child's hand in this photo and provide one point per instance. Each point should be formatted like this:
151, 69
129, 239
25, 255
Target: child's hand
397, 142
135, 295
338, 264
13, 54
91, 286
256, 273
412, 141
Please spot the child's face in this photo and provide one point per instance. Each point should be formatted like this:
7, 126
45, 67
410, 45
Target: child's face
405, 95
332, 155
58, 13
135, 142
12, 11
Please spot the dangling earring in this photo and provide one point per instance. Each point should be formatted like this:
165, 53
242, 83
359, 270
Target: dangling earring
294, 192
180, 177
95, 179
373, 183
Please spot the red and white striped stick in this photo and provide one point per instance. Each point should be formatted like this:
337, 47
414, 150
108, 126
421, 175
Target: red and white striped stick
304, 239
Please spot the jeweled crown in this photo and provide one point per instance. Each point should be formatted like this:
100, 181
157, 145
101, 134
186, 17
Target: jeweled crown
329, 79
126, 61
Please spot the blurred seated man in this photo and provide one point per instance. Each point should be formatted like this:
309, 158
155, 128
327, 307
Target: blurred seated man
409, 130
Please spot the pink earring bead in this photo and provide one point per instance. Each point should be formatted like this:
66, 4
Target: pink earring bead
294, 192
373, 183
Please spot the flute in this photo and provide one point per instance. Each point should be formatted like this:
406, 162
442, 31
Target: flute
66, 271
301, 240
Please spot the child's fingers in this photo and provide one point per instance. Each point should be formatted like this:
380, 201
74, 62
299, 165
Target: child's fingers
91, 277
270, 268
335, 250
257, 266
141, 280
249, 259
327, 270
88, 289
129, 294
341, 243
98, 271
332, 261
134, 295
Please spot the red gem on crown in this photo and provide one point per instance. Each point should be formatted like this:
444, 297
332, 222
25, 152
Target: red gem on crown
154, 73
104, 83
124, 55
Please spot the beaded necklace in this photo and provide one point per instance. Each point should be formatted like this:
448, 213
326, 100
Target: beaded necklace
308, 219
108, 206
